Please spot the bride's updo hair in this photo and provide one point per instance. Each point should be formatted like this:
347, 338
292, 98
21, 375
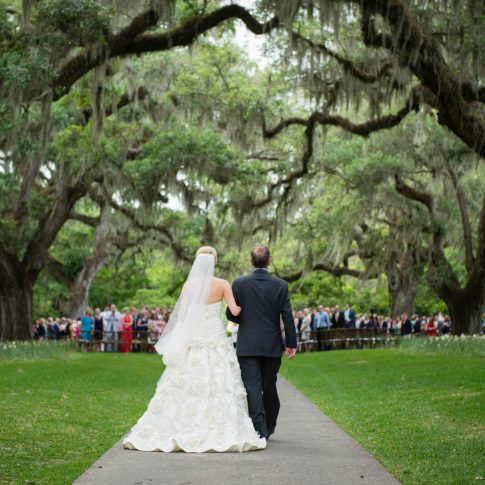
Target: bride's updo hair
207, 250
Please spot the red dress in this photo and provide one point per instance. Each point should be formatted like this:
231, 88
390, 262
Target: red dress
431, 330
126, 334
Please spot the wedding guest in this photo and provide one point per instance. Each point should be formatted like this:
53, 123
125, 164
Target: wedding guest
416, 326
446, 326
406, 326
161, 323
349, 317
306, 325
86, 328
431, 328
322, 325
142, 329
337, 319
312, 318
126, 331
110, 330
98, 330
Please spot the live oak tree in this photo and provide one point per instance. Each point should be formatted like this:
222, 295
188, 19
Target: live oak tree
49, 58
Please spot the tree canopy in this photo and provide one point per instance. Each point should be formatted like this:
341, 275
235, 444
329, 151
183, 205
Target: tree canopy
130, 125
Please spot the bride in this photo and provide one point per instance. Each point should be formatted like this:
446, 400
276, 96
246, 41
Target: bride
200, 402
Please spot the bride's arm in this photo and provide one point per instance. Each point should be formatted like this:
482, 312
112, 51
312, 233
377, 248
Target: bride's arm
230, 301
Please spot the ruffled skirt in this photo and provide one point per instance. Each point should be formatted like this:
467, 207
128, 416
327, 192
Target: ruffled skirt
199, 405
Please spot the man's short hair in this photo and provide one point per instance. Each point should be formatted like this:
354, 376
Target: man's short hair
260, 256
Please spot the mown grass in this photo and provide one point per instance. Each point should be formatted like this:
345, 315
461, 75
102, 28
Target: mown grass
421, 415
57, 416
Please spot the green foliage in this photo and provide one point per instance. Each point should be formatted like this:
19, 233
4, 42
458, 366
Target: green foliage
73, 22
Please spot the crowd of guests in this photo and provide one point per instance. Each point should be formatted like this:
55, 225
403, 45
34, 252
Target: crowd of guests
324, 318
109, 330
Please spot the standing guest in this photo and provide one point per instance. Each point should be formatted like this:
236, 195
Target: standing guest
35, 330
98, 330
126, 331
110, 330
41, 330
312, 318
349, 317
300, 317
337, 318
431, 328
306, 325
142, 329
87, 328
135, 316
74, 330
406, 326
161, 323
416, 326
446, 326
322, 324
372, 321
395, 326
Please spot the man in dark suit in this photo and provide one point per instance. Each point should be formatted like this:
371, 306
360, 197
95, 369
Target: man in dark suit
349, 317
264, 300
337, 318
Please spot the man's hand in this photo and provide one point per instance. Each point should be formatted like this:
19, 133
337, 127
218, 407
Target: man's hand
290, 353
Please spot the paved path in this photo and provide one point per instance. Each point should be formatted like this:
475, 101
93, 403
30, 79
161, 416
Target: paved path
307, 449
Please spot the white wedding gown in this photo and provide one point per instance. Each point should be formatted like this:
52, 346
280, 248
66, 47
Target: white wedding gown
200, 401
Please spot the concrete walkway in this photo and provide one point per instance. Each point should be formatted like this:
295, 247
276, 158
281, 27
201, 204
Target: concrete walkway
307, 449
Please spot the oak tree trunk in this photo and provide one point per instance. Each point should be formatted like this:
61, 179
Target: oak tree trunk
16, 305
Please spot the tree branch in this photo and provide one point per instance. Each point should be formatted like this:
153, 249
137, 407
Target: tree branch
323, 266
361, 129
131, 40
347, 64
465, 220
92, 221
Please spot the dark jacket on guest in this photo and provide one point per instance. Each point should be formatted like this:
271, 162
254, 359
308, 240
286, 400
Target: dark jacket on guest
264, 300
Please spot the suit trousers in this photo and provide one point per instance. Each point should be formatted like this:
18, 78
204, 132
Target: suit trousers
259, 376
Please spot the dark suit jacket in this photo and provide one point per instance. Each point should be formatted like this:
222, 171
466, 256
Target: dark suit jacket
341, 320
263, 299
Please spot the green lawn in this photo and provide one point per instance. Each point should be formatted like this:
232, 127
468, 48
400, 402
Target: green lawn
58, 416
421, 416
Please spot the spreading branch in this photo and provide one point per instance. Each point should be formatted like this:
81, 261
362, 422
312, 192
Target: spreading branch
133, 40
465, 219
349, 66
361, 129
